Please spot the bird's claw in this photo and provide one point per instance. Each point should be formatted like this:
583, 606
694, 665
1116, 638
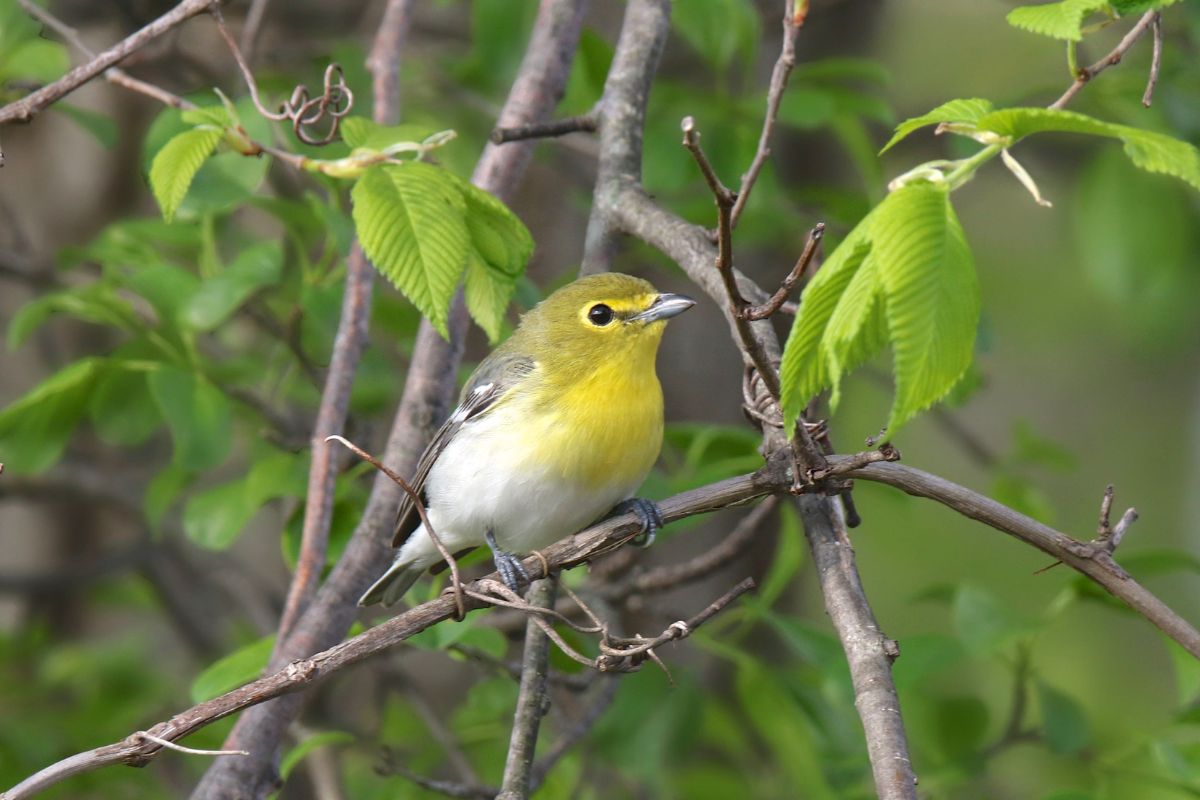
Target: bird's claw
511, 570
647, 511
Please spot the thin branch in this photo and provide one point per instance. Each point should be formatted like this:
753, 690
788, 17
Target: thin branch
779, 79
794, 277
1111, 60
577, 732
24, 109
1155, 61
588, 122
303, 673
1093, 559
251, 27
383, 62
532, 700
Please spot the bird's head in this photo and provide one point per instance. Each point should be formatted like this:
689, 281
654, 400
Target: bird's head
602, 315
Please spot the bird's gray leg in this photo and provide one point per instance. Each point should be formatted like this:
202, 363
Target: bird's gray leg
648, 513
512, 572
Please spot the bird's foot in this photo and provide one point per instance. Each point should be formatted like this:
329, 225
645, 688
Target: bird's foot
649, 515
511, 570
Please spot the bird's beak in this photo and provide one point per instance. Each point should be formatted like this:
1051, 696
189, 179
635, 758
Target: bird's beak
664, 306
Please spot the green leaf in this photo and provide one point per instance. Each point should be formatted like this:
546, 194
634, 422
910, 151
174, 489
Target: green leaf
1153, 152
984, 623
932, 295
35, 428
719, 30
101, 126
239, 667
960, 111
15, 27
1125, 8
176, 165
293, 757
120, 407
360, 132
961, 724
216, 517
410, 220
1063, 721
1062, 20
163, 490
168, 288
36, 60
92, 302
501, 246
903, 276
198, 415
257, 266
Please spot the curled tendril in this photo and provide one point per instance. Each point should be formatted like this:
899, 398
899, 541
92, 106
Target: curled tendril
304, 111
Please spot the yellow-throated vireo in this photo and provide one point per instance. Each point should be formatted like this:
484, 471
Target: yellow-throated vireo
558, 426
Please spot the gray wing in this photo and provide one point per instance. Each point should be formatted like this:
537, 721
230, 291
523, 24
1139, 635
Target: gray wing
493, 378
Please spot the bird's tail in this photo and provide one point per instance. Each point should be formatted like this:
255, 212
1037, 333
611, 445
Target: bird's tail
392, 585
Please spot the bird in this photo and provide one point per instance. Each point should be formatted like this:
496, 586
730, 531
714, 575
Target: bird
555, 429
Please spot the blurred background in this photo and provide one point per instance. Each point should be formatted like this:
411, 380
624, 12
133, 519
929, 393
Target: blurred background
125, 577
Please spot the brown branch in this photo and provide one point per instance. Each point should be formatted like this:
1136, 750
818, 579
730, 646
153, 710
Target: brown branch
670, 576
301, 674
779, 79
577, 732
1111, 60
588, 122
776, 300
1093, 559
622, 120
24, 109
251, 27
1155, 61
428, 391
383, 62
532, 700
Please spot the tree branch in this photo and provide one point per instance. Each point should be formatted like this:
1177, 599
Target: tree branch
532, 701
301, 674
24, 109
1111, 60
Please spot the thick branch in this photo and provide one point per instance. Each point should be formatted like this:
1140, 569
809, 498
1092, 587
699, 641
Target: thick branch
532, 701
24, 109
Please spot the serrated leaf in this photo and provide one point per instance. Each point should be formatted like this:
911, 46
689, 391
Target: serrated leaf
804, 371
410, 220
1153, 152
1062, 20
35, 428
239, 667
501, 246
964, 111
177, 163
488, 293
198, 415
255, 267
207, 115
931, 291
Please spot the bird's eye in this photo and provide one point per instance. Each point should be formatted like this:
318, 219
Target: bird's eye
600, 315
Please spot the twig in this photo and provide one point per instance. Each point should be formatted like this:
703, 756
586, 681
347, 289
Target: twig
724, 261
24, 109
1112, 59
1093, 559
1155, 61
779, 79
795, 276
383, 62
532, 700
575, 735
415, 498
189, 750
588, 122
